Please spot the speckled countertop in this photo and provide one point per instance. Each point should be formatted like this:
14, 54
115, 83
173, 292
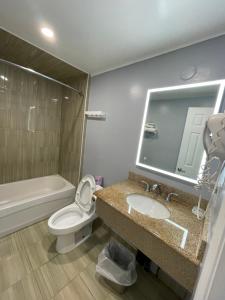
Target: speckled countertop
181, 231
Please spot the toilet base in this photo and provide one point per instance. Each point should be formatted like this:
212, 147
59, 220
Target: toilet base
66, 243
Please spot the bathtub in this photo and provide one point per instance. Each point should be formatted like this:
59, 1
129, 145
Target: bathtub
25, 202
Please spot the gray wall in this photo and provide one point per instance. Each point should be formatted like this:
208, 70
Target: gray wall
111, 145
161, 151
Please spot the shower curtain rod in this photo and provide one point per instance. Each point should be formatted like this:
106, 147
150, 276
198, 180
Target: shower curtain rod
41, 75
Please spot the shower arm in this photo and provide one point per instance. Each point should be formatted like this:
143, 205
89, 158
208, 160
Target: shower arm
41, 75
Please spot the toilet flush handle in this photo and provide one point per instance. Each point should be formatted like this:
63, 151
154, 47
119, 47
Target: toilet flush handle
94, 198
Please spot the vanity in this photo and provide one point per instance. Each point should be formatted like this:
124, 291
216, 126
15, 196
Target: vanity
174, 242
159, 221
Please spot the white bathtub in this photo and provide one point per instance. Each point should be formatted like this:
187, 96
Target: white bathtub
25, 202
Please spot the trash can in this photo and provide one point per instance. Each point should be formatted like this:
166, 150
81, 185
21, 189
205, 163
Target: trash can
116, 266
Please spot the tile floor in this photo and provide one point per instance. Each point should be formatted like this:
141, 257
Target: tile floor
30, 269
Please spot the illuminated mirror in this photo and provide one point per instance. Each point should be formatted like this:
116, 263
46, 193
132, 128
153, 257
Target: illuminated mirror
172, 128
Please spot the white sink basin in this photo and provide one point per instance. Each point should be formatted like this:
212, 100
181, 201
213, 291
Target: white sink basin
148, 206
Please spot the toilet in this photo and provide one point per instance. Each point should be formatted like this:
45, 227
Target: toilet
73, 224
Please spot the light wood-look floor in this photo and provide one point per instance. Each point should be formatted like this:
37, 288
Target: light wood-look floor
30, 269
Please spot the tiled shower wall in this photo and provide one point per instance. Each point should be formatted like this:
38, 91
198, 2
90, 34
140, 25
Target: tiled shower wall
71, 132
30, 122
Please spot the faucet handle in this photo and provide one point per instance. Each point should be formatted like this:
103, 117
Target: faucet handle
169, 196
156, 185
156, 188
147, 185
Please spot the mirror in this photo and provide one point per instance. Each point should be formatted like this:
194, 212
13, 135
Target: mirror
172, 128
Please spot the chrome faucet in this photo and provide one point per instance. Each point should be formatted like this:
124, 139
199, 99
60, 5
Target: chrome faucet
156, 188
147, 185
170, 195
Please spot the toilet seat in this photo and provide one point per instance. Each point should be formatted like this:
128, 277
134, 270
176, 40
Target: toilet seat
68, 219
84, 193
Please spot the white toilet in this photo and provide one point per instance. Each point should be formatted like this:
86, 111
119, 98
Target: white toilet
73, 224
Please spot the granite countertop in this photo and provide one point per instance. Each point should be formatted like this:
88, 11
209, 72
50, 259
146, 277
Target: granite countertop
182, 230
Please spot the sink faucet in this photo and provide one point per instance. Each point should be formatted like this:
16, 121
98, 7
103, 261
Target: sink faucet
156, 188
170, 195
147, 185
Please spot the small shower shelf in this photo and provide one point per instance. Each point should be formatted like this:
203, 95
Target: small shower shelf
98, 114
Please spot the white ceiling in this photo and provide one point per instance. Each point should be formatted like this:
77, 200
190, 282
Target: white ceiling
99, 35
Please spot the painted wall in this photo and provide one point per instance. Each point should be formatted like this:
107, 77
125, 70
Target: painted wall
111, 145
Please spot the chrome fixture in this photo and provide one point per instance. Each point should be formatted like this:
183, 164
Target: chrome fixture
147, 185
170, 195
41, 75
156, 188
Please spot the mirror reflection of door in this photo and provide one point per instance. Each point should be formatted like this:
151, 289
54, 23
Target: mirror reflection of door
191, 149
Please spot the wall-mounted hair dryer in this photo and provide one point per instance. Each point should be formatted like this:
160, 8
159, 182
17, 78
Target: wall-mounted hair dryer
214, 144
214, 136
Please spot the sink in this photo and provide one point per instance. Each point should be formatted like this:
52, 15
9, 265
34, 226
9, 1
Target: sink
148, 206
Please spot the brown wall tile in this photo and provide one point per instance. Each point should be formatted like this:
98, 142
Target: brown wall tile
30, 122
40, 131
71, 133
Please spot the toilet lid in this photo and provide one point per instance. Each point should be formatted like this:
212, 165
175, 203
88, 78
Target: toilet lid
85, 191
